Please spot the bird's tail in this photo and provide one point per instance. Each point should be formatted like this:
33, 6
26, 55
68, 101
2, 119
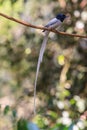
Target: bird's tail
43, 46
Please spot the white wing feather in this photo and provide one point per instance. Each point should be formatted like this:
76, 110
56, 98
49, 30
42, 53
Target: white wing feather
54, 23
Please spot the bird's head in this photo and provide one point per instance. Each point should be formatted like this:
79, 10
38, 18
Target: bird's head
61, 17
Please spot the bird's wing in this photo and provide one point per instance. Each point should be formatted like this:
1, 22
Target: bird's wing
54, 22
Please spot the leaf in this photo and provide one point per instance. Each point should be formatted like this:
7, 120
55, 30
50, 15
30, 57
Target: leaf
6, 109
52, 114
59, 127
23, 124
14, 113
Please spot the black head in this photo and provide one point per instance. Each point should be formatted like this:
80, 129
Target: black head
61, 17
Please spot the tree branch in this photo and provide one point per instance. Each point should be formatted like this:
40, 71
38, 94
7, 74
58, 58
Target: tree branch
38, 27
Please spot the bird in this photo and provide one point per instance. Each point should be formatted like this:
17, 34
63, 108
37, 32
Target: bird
52, 24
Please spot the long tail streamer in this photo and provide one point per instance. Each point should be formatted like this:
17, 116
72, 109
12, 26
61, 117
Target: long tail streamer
43, 46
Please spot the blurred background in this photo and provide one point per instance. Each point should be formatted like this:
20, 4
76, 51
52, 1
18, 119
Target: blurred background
61, 101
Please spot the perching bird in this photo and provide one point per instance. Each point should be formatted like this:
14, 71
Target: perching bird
54, 23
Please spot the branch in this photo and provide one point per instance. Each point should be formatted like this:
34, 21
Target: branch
38, 27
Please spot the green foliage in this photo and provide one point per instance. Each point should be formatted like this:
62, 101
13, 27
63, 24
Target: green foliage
13, 1
23, 124
14, 113
59, 127
6, 109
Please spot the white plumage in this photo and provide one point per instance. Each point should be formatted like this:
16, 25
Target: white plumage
54, 23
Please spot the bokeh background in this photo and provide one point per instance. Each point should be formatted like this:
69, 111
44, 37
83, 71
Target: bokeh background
61, 101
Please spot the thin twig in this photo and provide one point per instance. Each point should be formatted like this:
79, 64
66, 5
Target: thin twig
38, 27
